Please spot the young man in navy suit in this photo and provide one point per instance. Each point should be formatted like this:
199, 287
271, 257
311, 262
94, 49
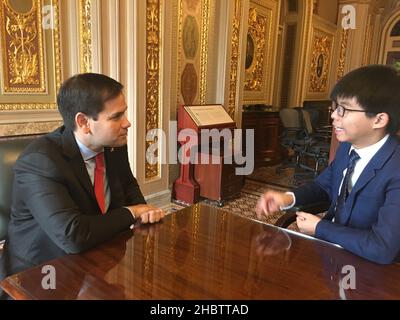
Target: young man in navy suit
362, 184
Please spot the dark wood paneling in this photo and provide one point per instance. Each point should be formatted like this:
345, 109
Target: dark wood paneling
267, 150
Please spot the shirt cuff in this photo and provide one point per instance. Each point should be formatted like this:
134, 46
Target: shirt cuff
134, 219
292, 204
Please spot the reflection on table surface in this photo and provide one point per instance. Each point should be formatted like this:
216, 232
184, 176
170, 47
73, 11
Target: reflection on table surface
202, 252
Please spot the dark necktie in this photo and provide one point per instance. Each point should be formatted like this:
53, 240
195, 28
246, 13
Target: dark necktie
344, 190
99, 181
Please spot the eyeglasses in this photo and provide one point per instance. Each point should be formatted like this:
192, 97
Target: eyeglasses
340, 110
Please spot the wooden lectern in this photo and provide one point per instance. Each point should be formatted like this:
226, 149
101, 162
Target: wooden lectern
186, 188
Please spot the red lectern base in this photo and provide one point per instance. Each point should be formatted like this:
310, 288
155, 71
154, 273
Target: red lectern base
186, 192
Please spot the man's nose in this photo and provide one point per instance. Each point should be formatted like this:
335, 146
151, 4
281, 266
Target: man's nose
334, 114
126, 124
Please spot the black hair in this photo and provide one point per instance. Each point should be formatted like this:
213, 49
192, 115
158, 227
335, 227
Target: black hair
86, 93
376, 88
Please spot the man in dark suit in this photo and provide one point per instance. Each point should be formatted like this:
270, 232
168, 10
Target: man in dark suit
363, 182
73, 188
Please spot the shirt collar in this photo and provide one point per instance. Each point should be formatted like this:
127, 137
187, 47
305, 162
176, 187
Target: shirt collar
85, 151
367, 153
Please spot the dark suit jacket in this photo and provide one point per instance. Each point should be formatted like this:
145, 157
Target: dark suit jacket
369, 224
54, 208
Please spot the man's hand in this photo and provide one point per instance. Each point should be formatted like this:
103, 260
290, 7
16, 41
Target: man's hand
146, 213
307, 222
272, 201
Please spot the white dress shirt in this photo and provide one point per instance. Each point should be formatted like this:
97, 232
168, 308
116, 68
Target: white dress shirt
366, 155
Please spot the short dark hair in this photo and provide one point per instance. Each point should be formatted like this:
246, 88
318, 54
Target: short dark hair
86, 93
376, 88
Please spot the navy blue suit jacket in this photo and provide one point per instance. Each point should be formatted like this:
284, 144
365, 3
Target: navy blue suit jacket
369, 224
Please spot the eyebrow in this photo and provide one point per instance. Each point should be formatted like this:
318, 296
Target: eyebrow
117, 114
345, 103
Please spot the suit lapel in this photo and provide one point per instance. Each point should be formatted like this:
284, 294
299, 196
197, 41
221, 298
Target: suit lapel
71, 151
376, 163
342, 161
110, 173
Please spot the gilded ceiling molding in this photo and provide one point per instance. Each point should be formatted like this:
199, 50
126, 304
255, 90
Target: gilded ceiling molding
153, 41
24, 46
257, 32
85, 36
342, 54
205, 21
322, 46
234, 58
22, 51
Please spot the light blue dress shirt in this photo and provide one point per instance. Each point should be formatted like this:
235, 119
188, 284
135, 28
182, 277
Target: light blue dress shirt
89, 159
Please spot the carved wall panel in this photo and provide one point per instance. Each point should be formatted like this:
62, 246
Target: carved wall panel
234, 61
320, 62
342, 53
260, 51
193, 29
256, 50
85, 36
30, 55
153, 80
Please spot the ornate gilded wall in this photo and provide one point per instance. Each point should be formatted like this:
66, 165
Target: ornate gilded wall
344, 37
85, 35
193, 36
320, 62
234, 59
153, 77
260, 51
30, 55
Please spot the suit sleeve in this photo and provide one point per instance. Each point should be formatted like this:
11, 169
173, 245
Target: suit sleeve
321, 189
133, 194
315, 191
48, 199
381, 242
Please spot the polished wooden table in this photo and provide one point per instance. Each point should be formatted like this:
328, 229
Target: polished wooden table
202, 252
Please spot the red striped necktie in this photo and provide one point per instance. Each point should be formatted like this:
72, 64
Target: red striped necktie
99, 181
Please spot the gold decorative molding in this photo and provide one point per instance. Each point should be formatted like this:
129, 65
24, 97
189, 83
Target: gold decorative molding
322, 46
367, 43
22, 49
342, 54
205, 20
234, 58
28, 128
257, 31
46, 22
85, 36
153, 41
27, 106
179, 58
57, 47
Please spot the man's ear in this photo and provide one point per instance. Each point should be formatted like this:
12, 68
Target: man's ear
82, 122
381, 120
